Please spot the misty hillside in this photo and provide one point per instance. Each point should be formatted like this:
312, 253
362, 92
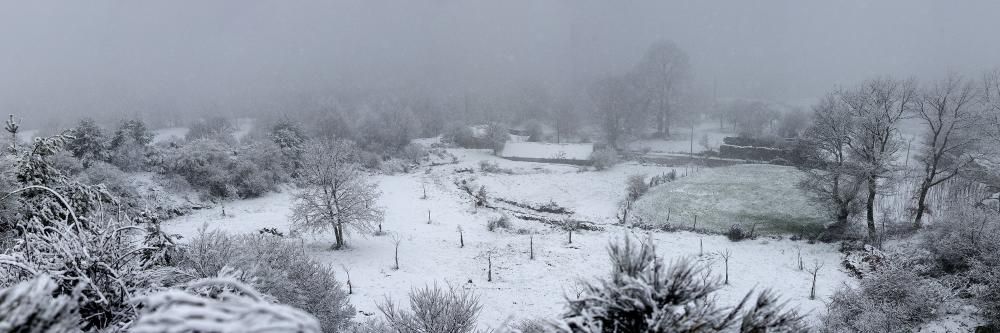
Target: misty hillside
446, 166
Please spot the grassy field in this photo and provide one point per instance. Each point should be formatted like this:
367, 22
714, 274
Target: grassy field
746, 194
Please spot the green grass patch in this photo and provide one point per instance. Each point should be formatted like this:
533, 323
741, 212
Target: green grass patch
746, 194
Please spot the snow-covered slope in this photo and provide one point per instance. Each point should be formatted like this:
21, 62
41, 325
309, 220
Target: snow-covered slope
522, 288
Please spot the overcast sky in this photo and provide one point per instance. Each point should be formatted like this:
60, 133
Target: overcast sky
70, 56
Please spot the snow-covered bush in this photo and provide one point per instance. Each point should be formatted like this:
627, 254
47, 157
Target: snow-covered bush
737, 233
114, 180
277, 268
965, 246
202, 163
414, 153
225, 171
462, 136
35, 306
66, 163
496, 137
893, 299
498, 222
129, 146
217, 128
98, 266
963, 237
434, 309
492, 167
202, 307
645, 295
89, 142
635, 187
604, 158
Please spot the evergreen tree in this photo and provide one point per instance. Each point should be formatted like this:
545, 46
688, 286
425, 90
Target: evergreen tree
291, 139
88, 142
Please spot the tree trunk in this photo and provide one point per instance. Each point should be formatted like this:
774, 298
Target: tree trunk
921, 203
870, 209
338, 232
660, 121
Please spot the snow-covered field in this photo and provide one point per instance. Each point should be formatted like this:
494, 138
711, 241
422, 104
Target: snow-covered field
748, 193
522, 288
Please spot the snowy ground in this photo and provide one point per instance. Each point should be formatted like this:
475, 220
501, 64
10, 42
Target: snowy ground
522, 288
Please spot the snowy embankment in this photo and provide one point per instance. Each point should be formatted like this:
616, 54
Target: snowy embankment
521, 288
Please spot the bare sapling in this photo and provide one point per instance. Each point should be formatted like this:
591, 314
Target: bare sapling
489, 266
428, 216
725, 255
814, 270
701, 247
396, 240
461, 238
424, 186
531, 247
350, 287
801, 267
695, 225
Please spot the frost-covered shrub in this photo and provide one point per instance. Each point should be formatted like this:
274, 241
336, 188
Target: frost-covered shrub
231, 306
414, 153
963, 237
66, 163
604, 159
128, 149
635, 187
370, 326
203, 163
642, 294
499, 222
98, 267
277, 268
34, 306
370, 160
965, 246
737, 233
217, 128
394, 166
225, 171
462, 136
433, 309
530, 326
893, 299
492, 167
89, 142
114, 180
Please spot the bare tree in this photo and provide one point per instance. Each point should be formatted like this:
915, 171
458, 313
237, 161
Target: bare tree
570, 226
725, 255
396, 240
948, 111
814, 271
565, 120
664, 74
531, 247
615, 100
831, 178
336, 194
347, 271
877, 107
488, 255
991, 106
461, 238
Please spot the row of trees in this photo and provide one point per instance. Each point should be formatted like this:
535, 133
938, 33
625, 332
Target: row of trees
656, 91
853, 149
